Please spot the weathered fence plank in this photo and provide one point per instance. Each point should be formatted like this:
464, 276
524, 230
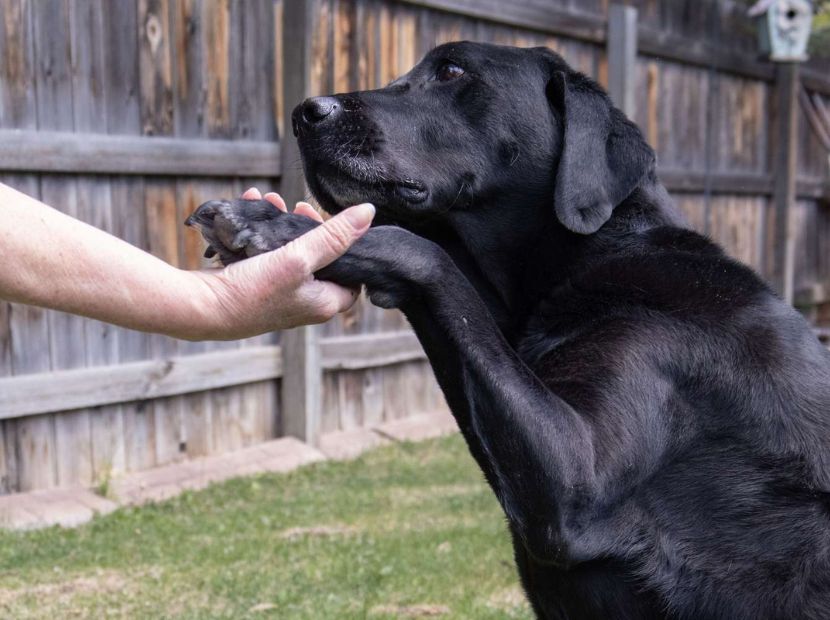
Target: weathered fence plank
17, 92
91, 387
163, 226
45, 151
383, 349
301, 384
144, 380
110, 429
622, 56
785, 179
155, 67
752, 184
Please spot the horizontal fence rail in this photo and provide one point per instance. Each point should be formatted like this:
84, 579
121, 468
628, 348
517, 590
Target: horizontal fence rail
85, 153
66, 390
749, 184
357, 352
28, 151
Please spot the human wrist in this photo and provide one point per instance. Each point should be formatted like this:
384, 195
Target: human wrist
199, 312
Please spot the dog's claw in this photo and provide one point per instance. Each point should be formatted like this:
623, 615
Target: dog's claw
240, 241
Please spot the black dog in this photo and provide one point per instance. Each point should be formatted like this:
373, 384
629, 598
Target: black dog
653, 419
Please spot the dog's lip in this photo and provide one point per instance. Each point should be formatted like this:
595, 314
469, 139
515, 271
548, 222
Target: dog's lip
412, 184
412, 191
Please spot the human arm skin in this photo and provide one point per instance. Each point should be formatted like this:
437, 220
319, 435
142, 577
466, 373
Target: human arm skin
52, 260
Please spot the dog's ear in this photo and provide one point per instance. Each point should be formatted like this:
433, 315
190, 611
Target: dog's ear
603, 155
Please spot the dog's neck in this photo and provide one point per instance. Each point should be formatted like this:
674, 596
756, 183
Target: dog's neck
515, 255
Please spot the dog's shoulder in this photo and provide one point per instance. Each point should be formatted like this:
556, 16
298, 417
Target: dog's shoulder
633, 282
668, 306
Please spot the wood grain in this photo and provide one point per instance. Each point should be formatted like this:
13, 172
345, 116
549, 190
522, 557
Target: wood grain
129, 118
91, 387
52, 151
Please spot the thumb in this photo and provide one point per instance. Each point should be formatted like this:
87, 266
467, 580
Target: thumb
330, 240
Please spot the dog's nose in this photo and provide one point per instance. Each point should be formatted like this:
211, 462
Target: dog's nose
318, 109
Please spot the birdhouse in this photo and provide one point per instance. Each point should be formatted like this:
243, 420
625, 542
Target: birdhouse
783, 28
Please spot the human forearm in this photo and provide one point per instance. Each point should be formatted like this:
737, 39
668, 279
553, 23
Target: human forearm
50, 259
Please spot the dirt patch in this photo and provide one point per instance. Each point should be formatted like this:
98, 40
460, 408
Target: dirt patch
410, 611
318, 531
102, 582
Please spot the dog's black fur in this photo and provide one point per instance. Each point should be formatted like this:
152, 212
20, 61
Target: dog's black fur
653, 419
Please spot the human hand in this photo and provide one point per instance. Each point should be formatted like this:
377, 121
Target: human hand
277, 290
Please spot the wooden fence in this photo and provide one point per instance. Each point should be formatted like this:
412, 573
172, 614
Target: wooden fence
128, 114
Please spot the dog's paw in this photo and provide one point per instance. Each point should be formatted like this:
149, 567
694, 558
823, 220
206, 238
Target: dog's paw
238, 229
395, 265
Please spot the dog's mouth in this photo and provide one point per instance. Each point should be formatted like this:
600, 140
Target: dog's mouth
412, 191
346, 185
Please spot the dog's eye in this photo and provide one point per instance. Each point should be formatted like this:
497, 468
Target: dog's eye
448, 71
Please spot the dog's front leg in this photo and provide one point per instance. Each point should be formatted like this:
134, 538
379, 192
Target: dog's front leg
535, 450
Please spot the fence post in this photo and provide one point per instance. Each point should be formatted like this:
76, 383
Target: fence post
622, 57
302, 372
784, 171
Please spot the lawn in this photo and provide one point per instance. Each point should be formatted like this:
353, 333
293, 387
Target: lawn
406, 531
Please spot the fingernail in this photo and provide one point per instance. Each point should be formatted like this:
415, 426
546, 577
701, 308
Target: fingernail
250, 189
361, 215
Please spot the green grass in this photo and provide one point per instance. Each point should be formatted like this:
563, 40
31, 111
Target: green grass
404, 532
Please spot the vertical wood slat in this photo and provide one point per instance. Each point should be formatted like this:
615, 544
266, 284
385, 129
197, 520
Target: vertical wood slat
163, 241
217, 57
302, 378
156, 434
113, 443
155, 68
190, 418
253, 103
197, 409
190, 67
785, 171
17, 109
252, 49
622, 57
41, 455
87, 200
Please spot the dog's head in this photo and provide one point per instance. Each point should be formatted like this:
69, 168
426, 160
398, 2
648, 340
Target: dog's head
474, 124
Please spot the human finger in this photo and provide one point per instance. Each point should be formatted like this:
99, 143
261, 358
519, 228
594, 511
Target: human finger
303, 208
331, 298
252, 193
332, 238
275, 199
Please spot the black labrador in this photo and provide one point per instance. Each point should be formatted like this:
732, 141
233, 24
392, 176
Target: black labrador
654, 421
